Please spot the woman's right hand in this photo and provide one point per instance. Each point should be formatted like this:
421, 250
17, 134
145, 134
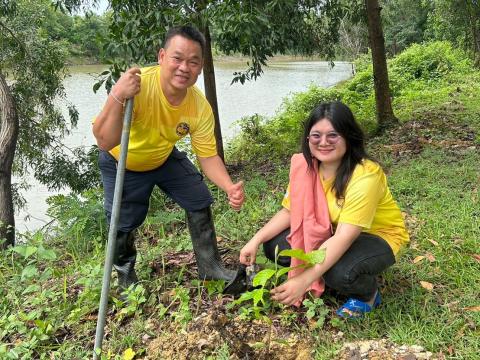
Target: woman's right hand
248, 253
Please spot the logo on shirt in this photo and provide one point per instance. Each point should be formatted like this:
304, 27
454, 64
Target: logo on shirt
182, 129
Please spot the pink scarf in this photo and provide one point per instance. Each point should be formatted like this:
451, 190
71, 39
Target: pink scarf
309, 218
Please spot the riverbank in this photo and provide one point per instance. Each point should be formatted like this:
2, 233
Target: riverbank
75, 61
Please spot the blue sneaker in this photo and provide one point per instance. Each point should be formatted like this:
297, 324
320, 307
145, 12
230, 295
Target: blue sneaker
354, 308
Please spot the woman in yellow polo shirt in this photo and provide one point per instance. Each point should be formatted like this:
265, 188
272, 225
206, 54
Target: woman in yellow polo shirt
368, 229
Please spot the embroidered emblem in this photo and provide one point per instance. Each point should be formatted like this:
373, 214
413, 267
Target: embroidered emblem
182, 129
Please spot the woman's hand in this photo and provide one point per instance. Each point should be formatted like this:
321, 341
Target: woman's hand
248, 253
291, 291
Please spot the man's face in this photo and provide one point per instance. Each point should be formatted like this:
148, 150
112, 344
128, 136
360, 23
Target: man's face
182, 62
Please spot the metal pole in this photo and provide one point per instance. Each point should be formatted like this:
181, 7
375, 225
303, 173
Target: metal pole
112, 233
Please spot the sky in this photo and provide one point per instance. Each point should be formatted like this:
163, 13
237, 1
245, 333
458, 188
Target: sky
99, 9
102, 6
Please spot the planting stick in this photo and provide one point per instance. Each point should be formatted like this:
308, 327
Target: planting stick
112, 232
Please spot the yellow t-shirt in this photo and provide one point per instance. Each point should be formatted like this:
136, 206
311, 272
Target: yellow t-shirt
157, 125
368, 203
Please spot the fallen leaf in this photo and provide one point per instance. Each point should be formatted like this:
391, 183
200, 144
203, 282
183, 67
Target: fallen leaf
426, 285
418, 258
430, 257
476, 257
472, 308
433, 242
451, 350
128, 354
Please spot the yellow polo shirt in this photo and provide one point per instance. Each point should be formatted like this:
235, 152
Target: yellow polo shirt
157, 125
368, 203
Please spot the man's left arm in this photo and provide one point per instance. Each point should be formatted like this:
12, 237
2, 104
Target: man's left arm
215, 170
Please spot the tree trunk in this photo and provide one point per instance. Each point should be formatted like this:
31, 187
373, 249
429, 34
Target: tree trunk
211, 90
385, 116
8, 141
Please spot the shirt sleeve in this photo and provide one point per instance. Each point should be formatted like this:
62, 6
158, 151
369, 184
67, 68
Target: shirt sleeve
361, 200
286, 199
203, 137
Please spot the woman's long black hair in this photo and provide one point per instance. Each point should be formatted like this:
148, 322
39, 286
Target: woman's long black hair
343, 121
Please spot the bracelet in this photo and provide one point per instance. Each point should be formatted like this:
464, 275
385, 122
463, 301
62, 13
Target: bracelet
117, 99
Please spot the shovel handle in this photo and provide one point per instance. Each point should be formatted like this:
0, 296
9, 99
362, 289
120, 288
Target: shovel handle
112, 232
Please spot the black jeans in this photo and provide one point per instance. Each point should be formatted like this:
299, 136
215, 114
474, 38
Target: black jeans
355, 273
177, 177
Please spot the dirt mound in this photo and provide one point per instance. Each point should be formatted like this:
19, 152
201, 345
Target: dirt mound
245, 340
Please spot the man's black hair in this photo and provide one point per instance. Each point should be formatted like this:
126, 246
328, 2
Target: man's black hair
186, 31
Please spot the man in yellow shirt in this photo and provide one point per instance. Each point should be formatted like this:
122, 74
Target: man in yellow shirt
167, 107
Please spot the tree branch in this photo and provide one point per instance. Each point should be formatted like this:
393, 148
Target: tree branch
13, 36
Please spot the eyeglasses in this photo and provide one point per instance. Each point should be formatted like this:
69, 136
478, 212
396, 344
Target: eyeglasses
331, 138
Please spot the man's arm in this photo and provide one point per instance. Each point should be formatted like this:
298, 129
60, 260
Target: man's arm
215, 170
107, 127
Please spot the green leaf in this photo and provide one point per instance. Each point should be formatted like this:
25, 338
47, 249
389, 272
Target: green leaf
310, 313
31, 289
294, 253
97, 85
29, 271
46, 254
316, 256
25, 251
282, 271
244, 297
258, 296
262, 277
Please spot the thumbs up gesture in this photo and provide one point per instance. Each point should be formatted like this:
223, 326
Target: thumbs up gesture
236, 195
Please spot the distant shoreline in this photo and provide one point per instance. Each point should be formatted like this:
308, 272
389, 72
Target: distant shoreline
79, 61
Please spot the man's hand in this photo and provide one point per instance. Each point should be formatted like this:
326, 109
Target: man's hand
236, 195
248, 254
290, 292
128, 85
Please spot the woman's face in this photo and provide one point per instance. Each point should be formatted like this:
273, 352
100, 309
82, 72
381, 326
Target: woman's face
326, 144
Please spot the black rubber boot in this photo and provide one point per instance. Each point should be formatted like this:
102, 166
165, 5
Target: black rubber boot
209, 263
124, 259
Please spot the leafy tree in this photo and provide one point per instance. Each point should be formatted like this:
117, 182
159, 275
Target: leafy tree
457, 21
89, 34
31, 127
404, 23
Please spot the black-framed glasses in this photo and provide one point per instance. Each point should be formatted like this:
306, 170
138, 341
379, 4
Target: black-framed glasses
331, 138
